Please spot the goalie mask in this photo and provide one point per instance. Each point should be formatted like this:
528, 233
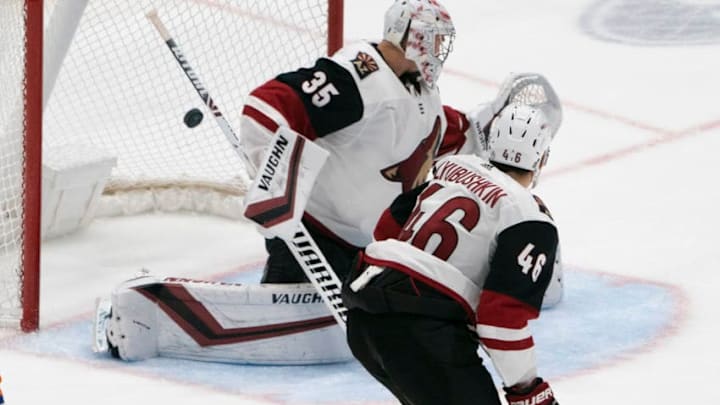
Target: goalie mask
423, 29
520, 137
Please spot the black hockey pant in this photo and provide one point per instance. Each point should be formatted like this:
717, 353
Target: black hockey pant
421, 360
281, 267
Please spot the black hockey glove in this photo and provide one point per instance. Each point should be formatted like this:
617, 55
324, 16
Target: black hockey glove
538, 393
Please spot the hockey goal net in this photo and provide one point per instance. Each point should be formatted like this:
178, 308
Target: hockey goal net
111, 83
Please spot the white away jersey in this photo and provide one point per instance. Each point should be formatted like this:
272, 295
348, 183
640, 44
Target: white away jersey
481, 238
381, 134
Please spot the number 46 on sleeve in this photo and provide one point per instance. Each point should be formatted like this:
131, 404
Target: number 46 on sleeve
528, 261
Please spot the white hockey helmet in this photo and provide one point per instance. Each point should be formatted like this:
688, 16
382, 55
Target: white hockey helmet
430, 33
520, 137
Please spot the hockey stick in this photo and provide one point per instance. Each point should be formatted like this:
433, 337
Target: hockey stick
302, 246
224, 125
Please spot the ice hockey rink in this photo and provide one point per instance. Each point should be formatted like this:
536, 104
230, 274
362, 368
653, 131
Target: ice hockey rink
631, 183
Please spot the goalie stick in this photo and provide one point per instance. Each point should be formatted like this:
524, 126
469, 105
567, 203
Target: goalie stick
224, 125
301, 244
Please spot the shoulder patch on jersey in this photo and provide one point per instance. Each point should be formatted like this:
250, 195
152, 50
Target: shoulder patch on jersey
543, 208
364, 64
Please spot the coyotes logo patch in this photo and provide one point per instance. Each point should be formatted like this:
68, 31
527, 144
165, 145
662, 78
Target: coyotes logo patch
413, 171
364, 64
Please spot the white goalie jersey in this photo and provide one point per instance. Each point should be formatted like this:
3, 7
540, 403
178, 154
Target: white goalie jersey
382, 134
484, 240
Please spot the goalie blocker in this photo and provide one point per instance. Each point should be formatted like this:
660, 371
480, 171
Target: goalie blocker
219, 322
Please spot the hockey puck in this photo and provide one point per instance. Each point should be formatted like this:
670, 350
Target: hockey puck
193, 118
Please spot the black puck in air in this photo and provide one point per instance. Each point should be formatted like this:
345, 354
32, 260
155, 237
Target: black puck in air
193, 118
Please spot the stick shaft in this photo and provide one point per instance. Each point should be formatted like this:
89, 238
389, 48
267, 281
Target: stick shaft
196, 82
319, 271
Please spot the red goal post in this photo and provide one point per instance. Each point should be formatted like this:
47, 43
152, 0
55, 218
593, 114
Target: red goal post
111, 84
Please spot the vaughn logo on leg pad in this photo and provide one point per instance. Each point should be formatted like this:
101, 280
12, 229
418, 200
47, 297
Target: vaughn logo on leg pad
278, 196
306, 298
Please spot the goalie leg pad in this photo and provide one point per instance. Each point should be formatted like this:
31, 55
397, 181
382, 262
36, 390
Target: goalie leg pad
132, 329
223, 322
103, 310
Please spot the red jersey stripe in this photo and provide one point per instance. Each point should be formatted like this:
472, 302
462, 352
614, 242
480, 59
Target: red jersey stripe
283, 98
260, 118
495, 344
502, 310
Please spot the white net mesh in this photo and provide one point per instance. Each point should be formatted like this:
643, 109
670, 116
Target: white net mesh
138, 96
11, 158
119, 89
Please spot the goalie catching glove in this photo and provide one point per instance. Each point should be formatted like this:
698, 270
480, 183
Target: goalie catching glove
524, 88
537, 393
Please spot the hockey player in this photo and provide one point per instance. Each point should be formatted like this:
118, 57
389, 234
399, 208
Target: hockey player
477, 249
375, 107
